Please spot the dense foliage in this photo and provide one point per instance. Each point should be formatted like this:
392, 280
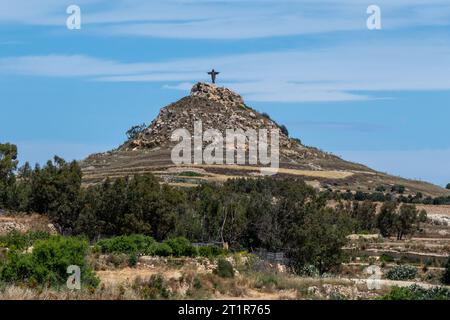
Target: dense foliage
267, 213
8, 163
400, 221
144, 245
47, 263
16, 240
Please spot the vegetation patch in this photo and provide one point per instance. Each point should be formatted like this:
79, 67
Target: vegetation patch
402, 272
47, 264
416, 292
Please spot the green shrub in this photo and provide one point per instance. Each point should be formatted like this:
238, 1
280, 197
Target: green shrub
181, 247
133, 244
161, 249
48, 262
402, 272
210, 251
132, 260
224, 269
21, 241
416, 292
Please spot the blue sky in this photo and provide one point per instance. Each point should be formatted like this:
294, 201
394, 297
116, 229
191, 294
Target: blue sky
380, 97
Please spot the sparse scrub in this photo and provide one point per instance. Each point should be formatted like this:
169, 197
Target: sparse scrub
154, 288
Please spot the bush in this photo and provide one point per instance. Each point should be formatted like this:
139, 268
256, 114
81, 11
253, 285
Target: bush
132, 260
161, 249
210, 251
402, 272
134, 244
415, 292
448, 186
48, 262
22, 241
224, 269
181, 247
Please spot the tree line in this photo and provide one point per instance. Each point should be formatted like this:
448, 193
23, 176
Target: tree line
274, 214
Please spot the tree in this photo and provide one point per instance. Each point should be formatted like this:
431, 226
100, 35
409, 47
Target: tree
448, 186
317, 239
134, 131
8, 164
406, 220
55, 190
386, 218
364, 214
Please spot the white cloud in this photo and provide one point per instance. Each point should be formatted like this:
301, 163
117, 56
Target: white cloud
212, 19
339, 73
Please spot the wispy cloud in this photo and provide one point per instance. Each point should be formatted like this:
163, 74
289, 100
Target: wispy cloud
232, 19
338, 73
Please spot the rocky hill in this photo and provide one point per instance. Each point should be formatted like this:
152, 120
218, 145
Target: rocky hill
220, 108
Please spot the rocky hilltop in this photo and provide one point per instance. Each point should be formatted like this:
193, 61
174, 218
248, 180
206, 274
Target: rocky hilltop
221, 108
217, 108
